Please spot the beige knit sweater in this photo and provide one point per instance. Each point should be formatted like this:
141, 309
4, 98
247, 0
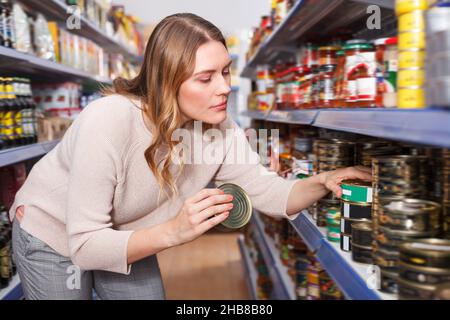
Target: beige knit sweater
86, 196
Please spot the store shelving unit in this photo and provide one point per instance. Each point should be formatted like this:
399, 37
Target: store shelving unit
14, 291
426, 126
23, 153
59, 11
353, 278
249, 268
283, 286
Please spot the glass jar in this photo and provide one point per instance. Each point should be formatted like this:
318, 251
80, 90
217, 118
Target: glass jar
327, 55
310, 56
327, 86
315, 87
380, 47
360, 81
390, 60
340, 77
296, 97
306, 88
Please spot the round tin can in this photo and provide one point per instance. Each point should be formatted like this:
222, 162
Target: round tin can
411, 98
408, 290
357, 191
346, 242
425, 275
388, 281
405, 6
384, 258
362, 234
346, 224
411, 77
361, 254
334, 233
426, 252
413, 58
242, 208
411, 40
412, 21
352, 210
394, 238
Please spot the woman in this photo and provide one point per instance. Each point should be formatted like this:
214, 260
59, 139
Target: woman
94, 211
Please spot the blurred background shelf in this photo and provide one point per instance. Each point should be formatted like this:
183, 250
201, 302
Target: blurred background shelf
23, 153
14, 291
249, 268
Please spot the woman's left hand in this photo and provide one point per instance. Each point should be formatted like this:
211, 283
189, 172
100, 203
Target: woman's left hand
332, 179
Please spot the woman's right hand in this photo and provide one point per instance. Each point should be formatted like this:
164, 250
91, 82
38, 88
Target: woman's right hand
203, 211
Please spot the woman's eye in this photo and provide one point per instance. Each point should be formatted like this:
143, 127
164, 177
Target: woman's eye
226, 71
205, 80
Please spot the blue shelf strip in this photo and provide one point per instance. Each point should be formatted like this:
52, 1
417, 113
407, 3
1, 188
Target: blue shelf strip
249, 268
426, 126
23, 153
280, 288
341, 271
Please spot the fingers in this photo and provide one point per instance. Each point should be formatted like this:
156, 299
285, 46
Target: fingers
211, 211
365, 169
334, 187
211, 223
358, 173
212, 201
203, 194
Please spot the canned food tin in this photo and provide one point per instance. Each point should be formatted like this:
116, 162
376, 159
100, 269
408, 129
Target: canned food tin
362, 234
388, 281
346, 242
411, 40
361, 254
352, 210
412, 21
425, 275
394, 238
242, 208
384, 258
411, 77
346, 224
357, 191
313, 292
411, 59
426, 252
411, 98
408, 290
405, 6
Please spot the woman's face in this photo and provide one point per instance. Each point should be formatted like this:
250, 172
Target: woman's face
204, 95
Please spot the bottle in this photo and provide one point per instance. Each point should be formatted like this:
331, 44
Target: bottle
2, 112
6, 27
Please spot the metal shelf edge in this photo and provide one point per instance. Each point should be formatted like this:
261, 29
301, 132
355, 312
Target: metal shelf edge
23, 153
14, 291
249, 267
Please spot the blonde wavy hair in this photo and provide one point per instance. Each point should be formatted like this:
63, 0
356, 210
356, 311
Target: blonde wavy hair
169, 60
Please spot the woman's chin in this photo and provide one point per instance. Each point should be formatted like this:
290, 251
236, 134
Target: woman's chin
216, 118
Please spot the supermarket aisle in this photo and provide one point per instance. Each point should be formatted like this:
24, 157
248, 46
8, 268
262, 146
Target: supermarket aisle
207, 268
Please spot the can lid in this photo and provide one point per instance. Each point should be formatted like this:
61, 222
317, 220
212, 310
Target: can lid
242, 210
380, 41
329, 48
392, 41
364, 226
355, 182
427, 247
364, 46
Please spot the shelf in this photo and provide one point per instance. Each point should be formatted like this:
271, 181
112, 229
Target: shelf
59, 11
14, 62
13, 291
350, 276
249, 268
23, 153
427, 126
311, 19
283, 286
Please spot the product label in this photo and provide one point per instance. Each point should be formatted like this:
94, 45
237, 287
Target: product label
342, 225
346, 210
346, 243
352, 93
327, 89
347, 192
367, 88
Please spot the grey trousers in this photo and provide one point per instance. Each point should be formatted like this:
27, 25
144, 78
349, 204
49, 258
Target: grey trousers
47, 275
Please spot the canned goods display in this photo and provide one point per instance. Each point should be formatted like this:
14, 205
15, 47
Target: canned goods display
411, 98
352, 210
385, 258
362, 234
328, 289
411, 77
394, 238
410, 215
433, 253
346, 242
388, 281
333, 225
408, 290
412, 58
323, 207
405, 6
242, 207
361, 254
411, 40
357, 191
411, 21
425, 275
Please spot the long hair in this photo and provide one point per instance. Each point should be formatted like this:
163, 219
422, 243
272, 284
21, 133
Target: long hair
169, 60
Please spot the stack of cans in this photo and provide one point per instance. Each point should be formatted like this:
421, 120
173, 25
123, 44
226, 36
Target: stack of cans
330, 155
411, 45
313, 283
423, 267
368, 149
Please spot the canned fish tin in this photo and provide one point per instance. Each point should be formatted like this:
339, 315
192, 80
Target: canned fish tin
388, 281
357, 191
411, 98
394, 238
334, 233
426, 252
362, 234
361, 254
385, 258
346, 224
411, 40
413, 58
346, 242
425, 275
242, 207
352, 210
411, 21
411, 77
408, 290
405, 6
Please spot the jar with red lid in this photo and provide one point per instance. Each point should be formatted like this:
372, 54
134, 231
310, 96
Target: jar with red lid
315, 87
327, 86
310, 56
296, 97
327, 55
360, 81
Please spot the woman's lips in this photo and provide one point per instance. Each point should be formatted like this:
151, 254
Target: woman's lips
221, 106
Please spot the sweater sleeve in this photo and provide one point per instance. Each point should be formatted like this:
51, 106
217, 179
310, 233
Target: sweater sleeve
95, 162
268, 192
